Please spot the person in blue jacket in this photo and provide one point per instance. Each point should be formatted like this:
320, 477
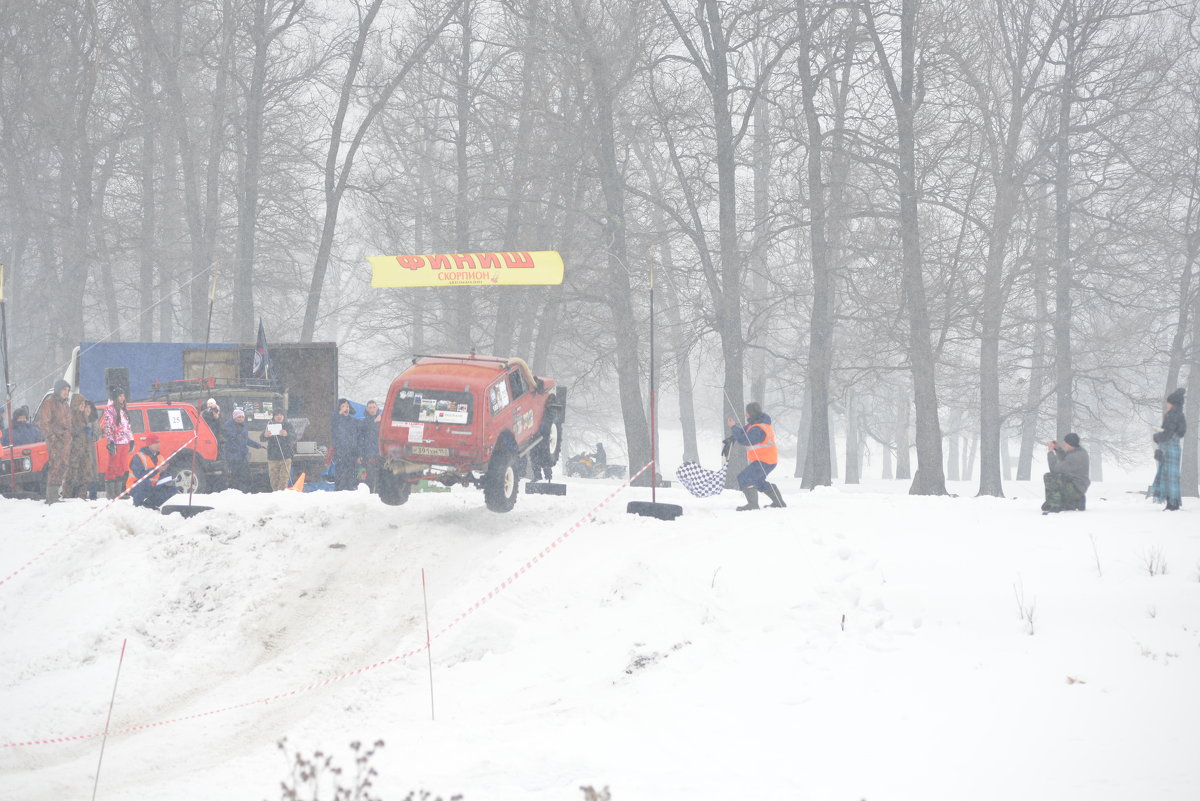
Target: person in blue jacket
236, 445
147, 463
346, 444
758, 435
23, 432
368, 446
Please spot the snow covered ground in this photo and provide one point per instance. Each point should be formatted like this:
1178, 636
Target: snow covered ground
859, 644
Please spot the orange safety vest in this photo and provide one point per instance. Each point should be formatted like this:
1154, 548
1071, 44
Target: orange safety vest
765, 452
147, 462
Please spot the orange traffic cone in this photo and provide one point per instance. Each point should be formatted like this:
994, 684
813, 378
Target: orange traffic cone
299, 485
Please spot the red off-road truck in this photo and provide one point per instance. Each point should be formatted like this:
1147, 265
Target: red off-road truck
473, 420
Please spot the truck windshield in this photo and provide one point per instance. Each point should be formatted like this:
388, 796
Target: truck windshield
432, 406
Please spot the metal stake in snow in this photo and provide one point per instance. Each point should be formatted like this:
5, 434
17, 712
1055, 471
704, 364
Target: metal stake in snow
108, 720
428, 644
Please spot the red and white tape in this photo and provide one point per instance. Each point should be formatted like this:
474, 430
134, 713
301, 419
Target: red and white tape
91, 517
504, 584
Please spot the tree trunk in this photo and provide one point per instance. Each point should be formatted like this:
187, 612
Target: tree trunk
1064, 268
625, 323
1038, 370
852, 443
464, 313
146, 258
930, 478
1189, 475
818, 470
510, 300
903, 454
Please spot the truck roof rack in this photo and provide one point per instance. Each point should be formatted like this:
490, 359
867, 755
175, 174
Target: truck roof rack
459, 357
190, 387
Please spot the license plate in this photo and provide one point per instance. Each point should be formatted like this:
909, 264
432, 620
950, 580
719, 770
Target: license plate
424, 450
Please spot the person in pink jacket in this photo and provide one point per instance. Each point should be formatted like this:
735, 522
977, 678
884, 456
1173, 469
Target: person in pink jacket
119, 435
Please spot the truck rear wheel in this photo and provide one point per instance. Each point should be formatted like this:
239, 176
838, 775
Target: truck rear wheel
501, 483
393, 490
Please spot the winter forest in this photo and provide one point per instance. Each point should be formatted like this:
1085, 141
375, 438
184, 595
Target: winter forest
923, 233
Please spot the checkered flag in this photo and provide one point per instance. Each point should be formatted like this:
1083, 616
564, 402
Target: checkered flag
700, 482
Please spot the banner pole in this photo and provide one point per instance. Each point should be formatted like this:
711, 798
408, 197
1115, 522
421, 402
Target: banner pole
12, 448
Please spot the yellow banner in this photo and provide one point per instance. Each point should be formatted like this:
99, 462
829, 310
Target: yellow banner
524, 268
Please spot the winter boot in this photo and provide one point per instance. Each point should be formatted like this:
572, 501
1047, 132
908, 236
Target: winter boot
776, 497
52, 494
751, 499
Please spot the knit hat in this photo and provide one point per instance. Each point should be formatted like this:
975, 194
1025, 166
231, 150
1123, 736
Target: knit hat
60, 385
1176, 397
153, 439
21, 411
1072, 439
211, 403
238, 414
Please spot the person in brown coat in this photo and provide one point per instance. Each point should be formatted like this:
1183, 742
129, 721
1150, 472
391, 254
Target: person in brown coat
58, 426
81, 470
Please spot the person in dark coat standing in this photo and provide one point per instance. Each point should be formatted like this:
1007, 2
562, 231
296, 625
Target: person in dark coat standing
758, 435
81, 471
346, 444
22, 432
1168, 443
237, 445
58, 425
1069, 477
281, 444
368, 446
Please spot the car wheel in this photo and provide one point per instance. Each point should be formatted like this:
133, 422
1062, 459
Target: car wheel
189, 477
501, 483
393, 490
546, 452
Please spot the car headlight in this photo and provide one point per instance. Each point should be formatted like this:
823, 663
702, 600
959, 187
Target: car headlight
26, 464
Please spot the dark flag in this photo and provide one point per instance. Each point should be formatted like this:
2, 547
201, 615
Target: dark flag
262, 356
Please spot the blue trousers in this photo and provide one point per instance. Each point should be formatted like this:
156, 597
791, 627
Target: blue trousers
755, 475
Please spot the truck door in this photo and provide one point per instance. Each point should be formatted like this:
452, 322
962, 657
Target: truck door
522, 406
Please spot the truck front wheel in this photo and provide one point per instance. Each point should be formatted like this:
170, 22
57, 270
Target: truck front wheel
501, 483
393, 490
189, 476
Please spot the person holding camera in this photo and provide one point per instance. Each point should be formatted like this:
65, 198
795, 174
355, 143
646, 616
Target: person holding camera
1069, 477
118, 433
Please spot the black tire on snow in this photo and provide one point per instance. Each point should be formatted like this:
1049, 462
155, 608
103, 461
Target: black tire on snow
501, 484
545, 453
393, 490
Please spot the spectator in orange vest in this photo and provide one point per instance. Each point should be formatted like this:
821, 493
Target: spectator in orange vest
758, 435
